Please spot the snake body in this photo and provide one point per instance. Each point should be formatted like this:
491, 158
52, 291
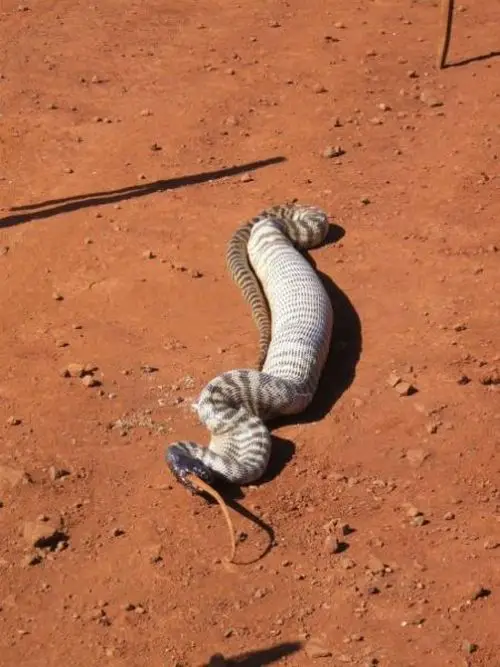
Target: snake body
236, 405
244, 276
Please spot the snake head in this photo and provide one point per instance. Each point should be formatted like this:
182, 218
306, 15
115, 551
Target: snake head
183, 465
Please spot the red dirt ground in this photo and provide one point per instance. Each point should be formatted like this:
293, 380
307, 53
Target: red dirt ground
130, 101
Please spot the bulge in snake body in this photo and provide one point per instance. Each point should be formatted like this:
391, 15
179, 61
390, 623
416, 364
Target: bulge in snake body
235, 405
289, 216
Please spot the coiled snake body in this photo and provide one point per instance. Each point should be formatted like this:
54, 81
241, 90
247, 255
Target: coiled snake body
236, 405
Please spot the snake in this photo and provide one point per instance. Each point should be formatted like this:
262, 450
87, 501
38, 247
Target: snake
236, 405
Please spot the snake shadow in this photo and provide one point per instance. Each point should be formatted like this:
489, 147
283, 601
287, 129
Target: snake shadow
256, 658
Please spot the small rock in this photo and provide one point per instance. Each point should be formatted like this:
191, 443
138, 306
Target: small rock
31, 559
393, 380
430, 100
448, 516
57, 473
69, 170
246, 178
490, 378
331, 545
365, 201
314, 649
73, 370
469, 647
463, 380
117, 532
43, 534
62, 343
318, 88
4, 249
416, 457
146, 112
89, 381
491, 544
57, 296
419, 521
14, 421
405, 389
148, 254
148, 369
155, 147
339, 25
432, 428
413, 512
375, 565
348, 563
332, 151
479, 592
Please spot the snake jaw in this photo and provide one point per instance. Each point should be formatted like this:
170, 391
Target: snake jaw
183, 466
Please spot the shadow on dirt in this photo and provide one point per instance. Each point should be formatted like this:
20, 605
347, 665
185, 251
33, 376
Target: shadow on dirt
255, 658
472, 59
50, 208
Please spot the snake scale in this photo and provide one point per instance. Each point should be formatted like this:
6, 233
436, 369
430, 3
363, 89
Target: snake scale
235, 405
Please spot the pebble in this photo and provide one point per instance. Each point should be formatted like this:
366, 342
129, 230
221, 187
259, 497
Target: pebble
148, 369
375, 565
148, 254
393, 379
479, 592
155, 147
332, 151
43, 533
28, 560
57, 473
89, 381
416, 457
73, 370
318, 88
448, 516
14, 421
405, 389
146, 112
57, 296
491, 544
4, 249
413, 512
331, 545
429, 99
246, 178
469, 647
315, 649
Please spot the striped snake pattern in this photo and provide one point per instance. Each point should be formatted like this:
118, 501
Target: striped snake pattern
236, 405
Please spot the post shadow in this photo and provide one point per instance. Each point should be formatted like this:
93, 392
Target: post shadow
255, 658
52, 207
